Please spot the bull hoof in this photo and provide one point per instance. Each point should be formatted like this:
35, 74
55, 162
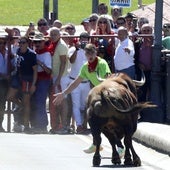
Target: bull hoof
116, 161
128, 162
137, 162
96, 161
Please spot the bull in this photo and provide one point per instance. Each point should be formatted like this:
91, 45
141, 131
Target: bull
112, 109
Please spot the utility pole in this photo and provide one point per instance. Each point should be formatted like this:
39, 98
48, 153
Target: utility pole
95, 4
55, 10
156, 60
46, 10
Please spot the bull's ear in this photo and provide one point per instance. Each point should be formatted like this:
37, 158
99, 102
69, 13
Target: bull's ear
97, 107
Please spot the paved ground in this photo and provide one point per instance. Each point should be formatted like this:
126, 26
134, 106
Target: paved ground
154, 135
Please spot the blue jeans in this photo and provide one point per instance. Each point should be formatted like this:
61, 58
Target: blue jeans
130, 71
42, 90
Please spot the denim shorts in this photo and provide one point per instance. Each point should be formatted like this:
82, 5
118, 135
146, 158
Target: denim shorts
15, 82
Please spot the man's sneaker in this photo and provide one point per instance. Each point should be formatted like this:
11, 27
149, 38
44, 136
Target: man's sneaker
121, 152
18, 128
2, 129
92, 149
38, 130
52, 131
80, 130
28, 130
62, 131
71, 129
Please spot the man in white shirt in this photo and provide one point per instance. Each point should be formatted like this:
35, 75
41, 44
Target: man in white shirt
79, 94
124, 54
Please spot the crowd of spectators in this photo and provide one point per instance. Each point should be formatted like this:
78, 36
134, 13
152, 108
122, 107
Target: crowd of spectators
45, 61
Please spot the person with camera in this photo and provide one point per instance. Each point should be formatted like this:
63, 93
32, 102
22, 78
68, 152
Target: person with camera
79, 95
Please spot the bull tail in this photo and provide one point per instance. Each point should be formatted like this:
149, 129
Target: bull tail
133, 107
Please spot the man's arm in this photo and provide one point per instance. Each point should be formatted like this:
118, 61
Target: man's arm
34, 79
63, 59
60, 96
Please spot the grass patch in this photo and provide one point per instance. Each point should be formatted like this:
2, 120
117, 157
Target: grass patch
21, 12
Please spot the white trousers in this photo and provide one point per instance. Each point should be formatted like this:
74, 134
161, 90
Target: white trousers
79, 96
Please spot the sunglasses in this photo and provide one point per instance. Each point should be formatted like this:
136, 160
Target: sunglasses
120, 23
42, 24
37, 42
92, 20
147, 30
102, 22
22, 42
166, 26
69, 28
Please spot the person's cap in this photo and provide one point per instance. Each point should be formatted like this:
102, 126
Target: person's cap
116, 7
86, 20
38, 37
130, 15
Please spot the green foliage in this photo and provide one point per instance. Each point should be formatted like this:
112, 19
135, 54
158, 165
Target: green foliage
21, 12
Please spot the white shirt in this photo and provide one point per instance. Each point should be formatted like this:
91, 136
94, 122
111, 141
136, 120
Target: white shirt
45, 58
122, 59
79, 61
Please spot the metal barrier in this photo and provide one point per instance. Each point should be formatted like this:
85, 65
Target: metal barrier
166, 70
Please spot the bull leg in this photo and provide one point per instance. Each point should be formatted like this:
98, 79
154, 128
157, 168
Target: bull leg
127, 142
112, 140
96, 132
136, 159
115, 156
128, 161
97, 157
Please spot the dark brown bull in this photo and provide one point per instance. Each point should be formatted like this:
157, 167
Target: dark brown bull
113, 109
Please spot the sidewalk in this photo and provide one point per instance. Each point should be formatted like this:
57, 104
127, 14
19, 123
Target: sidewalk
154, 135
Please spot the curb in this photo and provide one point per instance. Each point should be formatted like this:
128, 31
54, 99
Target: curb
154, 135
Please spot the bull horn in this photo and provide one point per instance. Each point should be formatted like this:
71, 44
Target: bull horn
99, 78
142, 81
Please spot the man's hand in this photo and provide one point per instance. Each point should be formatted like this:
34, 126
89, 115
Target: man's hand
59, 97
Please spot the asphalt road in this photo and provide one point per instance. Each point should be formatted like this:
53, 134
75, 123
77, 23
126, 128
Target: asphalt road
65, 152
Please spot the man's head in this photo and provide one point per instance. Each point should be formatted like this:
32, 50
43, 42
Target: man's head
23, 43
86, 24
55, 34
84, 39
39, 41
122, 33
146, 29
102, 9
70, 28
93, 20
141, 21
121, 22
116, 12
166, 29
90, 52
43, 26
57, 23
